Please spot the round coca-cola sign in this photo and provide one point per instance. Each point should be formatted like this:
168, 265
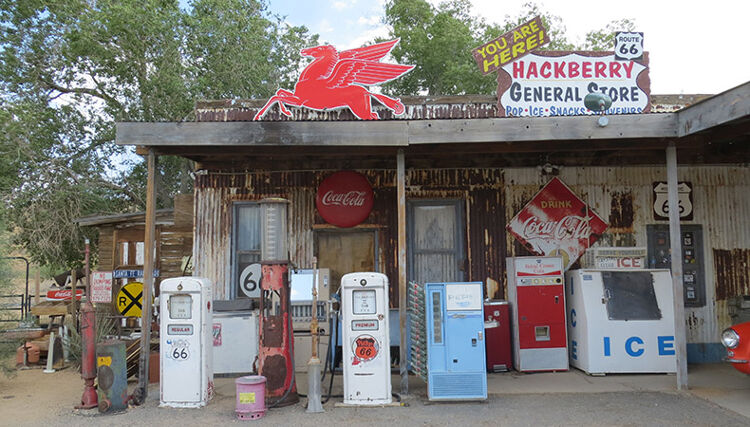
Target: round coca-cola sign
344, 199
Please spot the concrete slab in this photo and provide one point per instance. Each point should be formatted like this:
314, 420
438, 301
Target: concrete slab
719, 384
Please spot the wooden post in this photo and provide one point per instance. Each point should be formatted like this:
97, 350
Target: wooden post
148, 277
675, 237
73, 300
401, 195
314, 323
37, 283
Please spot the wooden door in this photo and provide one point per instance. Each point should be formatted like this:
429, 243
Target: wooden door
345, 252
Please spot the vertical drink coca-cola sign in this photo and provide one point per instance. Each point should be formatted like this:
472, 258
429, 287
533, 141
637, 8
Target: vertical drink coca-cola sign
344, 199
557, 222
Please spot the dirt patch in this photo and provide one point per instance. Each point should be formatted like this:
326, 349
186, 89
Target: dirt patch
32, 397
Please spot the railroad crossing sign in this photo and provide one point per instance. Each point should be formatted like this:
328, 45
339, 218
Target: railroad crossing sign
130, 299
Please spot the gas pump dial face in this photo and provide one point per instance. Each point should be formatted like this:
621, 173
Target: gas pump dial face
180, 306
363, 302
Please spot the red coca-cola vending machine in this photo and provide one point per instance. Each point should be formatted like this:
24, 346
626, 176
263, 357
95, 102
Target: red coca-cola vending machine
497, 336
536, 290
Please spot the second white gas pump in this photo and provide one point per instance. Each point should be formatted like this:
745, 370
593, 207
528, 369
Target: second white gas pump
185, 347
365, 340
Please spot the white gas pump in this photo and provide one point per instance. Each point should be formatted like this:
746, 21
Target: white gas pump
365, 340
186, 374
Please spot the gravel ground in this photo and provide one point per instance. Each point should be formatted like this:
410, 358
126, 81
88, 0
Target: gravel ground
615, 409
33, 398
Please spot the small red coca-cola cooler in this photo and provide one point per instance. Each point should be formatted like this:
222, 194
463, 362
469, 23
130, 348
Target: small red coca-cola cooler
497, 335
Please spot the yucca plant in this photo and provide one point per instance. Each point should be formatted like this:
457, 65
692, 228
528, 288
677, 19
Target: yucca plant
105, 326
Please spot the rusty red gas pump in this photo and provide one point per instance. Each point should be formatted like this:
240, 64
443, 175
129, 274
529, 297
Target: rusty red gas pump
275, 352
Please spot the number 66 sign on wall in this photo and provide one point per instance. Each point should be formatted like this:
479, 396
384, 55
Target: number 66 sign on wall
249, 281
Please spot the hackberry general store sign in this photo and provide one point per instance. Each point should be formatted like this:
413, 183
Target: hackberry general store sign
556, 222
543, 84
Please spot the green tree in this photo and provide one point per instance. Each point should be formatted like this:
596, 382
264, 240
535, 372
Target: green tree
604, 39
70, 69
7, 346
439, 41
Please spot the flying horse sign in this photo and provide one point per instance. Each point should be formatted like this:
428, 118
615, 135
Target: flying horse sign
336, 80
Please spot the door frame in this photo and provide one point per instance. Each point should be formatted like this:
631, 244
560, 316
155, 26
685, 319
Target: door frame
374, 230
459, 236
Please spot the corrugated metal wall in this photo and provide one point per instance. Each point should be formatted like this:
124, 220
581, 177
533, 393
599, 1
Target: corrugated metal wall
480, 189
623, 197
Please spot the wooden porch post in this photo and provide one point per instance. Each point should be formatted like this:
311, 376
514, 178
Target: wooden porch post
403, 345
675, 243
148, 277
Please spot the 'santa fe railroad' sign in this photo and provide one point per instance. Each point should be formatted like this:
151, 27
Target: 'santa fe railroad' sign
344, 199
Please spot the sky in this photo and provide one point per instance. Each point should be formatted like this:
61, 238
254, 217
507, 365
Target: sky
695, 47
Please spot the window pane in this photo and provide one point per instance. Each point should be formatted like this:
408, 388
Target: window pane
248, 228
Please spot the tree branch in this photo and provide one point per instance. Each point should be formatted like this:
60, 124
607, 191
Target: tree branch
82, 90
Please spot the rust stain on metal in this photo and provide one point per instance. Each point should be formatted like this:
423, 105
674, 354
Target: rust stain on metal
621, 212
486, 242
417, 108
732, 272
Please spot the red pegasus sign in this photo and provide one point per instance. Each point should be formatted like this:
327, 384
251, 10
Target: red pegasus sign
336, 80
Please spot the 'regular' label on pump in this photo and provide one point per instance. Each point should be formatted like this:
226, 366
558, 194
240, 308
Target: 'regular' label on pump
365, 348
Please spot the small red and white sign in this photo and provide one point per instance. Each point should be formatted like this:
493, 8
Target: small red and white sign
556, 222
186, 329
217, 334
365, 325
344, 199
366, 348
63, 294
529, 267
101, 286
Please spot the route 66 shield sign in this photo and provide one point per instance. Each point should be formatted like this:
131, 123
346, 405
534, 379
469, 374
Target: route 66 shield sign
685, 200
628, 46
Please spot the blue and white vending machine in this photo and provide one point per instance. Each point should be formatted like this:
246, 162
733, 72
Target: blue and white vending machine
455, 341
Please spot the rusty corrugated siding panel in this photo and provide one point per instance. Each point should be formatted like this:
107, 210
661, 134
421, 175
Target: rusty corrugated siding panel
486, 230
212, 236
732, 272
447, 107
417, 108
